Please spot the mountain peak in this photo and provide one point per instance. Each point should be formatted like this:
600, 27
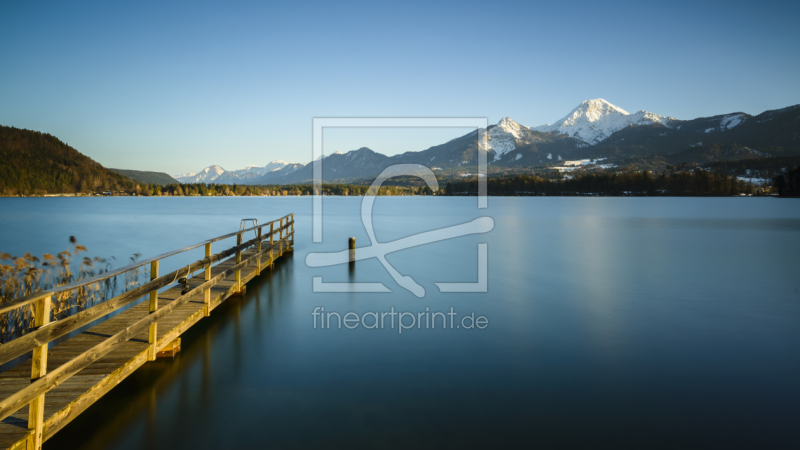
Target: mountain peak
594, 120
507, 121
502, 137
363, 153
596, 109
600, 104
510, 126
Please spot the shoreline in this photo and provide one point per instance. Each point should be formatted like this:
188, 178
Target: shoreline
435, 195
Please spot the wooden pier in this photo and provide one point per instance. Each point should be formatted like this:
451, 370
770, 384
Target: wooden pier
43, 394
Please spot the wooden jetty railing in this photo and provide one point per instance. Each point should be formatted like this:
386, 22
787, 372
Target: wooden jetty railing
106, 353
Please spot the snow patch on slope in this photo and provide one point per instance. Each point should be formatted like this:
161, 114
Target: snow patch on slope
325, 156
731, 121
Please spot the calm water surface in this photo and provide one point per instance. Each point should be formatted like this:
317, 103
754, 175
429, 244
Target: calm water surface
622, 322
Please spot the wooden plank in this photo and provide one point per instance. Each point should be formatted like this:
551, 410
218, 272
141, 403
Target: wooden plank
77, 406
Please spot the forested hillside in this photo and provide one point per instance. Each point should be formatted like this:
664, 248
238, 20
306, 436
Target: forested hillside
145, 177
788, 184
34, 163
698, 183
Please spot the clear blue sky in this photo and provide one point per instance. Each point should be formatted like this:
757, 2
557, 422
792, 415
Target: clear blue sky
179, 87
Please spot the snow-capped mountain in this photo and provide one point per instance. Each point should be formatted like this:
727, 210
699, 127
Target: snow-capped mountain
256, 170
277, 165
594, 129
219, 175
595, 120
259, 170
206, 175
502, 138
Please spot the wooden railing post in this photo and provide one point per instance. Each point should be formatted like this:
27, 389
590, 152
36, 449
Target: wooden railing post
291, 244
207, 277
280, 241
238, 260
258, 249
38, 369
271, 235
152, 332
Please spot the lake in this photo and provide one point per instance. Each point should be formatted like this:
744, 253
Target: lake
624, 322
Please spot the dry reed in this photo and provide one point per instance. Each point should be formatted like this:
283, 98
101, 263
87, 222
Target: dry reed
20, 276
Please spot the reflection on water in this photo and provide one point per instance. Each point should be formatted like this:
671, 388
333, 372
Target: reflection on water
634, 323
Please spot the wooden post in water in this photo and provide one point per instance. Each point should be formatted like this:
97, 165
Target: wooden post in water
238, 260
152, 332
38, 369
207, 311
352, 245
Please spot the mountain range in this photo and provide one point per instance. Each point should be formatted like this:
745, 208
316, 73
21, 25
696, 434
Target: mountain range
219, 175
594, 129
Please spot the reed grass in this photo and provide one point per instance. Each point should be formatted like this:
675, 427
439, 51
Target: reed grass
20, 276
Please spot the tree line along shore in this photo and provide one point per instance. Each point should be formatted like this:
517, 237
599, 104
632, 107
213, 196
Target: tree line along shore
696, 183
